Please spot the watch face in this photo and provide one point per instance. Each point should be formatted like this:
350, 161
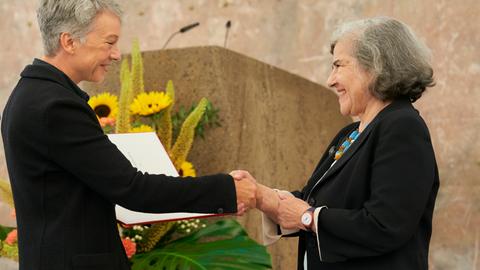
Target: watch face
306, 219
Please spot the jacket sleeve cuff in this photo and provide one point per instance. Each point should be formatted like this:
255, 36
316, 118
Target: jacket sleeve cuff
220, 188
272, 232
316, 215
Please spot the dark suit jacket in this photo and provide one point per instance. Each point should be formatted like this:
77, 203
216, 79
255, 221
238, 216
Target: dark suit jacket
67, 176
380, 197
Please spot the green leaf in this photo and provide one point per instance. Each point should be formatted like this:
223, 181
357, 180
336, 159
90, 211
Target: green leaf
210, 118
4, 232
231, 249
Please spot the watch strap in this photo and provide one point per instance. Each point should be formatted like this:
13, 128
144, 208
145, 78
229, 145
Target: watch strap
311, 210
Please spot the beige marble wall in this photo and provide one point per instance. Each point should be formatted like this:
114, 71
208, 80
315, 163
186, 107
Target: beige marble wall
293, 35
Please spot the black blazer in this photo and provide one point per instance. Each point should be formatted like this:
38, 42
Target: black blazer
67, 176
380, 197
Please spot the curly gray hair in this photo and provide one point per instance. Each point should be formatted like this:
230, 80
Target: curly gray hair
389, 50
70, 16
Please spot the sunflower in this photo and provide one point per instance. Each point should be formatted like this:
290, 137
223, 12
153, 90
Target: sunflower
105, 105
142, 128
186, 169
150, 103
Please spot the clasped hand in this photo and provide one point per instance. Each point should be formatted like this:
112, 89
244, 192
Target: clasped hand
246, 189
281, 206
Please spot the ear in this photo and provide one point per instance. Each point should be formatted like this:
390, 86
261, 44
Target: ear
67, 42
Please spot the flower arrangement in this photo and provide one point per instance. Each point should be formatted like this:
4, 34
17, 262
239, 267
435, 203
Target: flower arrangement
185, 244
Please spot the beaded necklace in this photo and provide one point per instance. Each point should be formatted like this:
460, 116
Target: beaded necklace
346, 144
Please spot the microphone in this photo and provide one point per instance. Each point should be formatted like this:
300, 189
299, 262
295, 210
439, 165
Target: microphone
182, 30
188, 27
227, 25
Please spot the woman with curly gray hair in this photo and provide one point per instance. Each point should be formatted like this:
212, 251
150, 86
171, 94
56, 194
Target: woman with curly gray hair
370, 200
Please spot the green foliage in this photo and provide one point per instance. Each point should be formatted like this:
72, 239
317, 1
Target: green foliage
154, 234
108, 129
164, 123
235, 250
4, 231
209, 119
137, 69
9, 251
131, 81
126, 98
184, 141
6, 192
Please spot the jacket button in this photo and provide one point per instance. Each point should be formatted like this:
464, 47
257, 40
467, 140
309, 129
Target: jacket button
220, 210
311, 201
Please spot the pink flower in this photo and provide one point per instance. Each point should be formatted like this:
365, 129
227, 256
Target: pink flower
106, 121
11, 237
130, 247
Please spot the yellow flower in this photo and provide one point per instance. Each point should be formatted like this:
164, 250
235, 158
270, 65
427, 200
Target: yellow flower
104, 105
150, 103
142, 128
186, 169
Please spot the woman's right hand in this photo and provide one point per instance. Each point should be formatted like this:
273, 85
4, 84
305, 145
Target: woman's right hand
268, 200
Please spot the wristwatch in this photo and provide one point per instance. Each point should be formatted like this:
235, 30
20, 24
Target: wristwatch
307, 218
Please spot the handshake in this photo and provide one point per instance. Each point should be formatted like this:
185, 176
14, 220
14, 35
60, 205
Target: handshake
281, 206
247, 191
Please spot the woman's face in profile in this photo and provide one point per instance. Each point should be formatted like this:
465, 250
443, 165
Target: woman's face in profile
349, 79
100, 49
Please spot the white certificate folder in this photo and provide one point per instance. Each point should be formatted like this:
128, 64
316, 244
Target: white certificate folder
147, 154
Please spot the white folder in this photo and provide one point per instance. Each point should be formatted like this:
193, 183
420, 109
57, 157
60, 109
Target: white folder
147, 154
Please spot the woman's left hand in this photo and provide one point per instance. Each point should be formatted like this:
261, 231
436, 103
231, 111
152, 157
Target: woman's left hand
290, 212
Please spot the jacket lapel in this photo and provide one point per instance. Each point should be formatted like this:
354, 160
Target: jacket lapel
351, 151
341, 162
321, 179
